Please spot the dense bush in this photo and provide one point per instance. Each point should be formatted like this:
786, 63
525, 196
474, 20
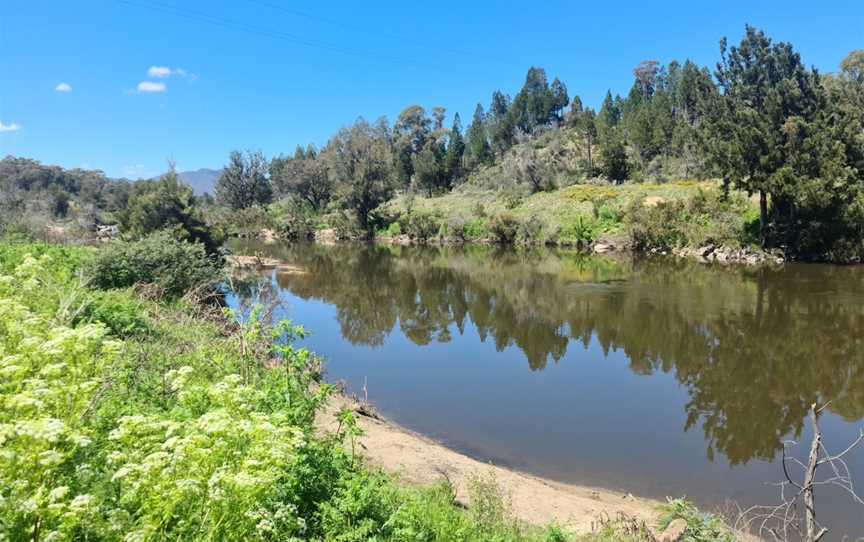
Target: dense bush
174, 266
420, 226
708, 217
121, 313
296, 228
346, 226
530, 231
167, 204
578, 233
503, 228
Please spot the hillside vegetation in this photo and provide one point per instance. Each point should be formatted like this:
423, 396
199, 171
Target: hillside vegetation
782, 145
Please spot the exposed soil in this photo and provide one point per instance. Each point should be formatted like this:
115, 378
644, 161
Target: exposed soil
422, 461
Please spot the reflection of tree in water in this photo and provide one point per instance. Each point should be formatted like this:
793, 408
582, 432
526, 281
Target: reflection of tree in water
754, 347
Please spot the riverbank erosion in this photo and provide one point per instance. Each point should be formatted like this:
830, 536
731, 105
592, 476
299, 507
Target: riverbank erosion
420, 461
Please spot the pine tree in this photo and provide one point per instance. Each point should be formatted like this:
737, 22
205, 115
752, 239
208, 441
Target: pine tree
477, 148
768, 105
500, 123
560, 99
610, 113
455, 151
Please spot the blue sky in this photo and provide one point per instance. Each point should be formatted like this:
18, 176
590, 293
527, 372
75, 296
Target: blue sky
268, 74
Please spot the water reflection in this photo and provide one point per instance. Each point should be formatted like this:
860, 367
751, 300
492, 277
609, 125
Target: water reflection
753, 347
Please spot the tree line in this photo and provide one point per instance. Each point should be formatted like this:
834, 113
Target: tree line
760, 120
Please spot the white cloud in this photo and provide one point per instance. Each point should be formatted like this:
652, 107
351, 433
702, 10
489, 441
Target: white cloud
159, 71
9, 127
149, 87
63, 87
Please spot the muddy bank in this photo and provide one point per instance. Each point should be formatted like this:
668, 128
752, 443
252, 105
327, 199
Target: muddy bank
422, 461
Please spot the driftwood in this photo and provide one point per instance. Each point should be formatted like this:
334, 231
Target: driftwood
783, 521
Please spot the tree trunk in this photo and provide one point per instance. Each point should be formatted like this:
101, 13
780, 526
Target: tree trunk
809, 481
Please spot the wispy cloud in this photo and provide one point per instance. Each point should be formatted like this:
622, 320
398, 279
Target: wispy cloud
63, 87
9, 127
159, 71
151, 87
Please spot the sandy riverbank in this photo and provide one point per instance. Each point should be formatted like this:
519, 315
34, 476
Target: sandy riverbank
420, 460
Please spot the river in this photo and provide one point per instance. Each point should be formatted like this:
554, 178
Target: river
656, 376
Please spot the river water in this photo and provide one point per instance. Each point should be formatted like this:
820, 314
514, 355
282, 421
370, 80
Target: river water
655, 376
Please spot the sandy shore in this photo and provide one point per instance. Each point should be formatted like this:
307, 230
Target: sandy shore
422, 461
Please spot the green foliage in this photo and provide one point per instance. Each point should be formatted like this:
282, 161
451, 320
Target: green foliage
477, 149
119, 311
245, 181
503, 228
303, 176
168, 204
346, 226
159, 258
578, 233
701, 527
706, 218
394, 229
420, 226
613, 154
530, 231
51, 373
33, 194
362, 158
296, 228
513, 197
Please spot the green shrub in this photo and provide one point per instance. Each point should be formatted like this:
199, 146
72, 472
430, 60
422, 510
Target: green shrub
479, 210
701, 527
656, 226
421, 226
346, 226
393, 230
503, 228
513, 197
456, 229
476, 229
296, 228
706, 218
174, 266
579, 233
530, 231
119, 310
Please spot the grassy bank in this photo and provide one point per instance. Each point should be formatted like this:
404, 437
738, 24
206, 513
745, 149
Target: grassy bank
139, 413
643, 216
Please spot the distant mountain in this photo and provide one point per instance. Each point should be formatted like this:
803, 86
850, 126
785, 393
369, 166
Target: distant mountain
201, 180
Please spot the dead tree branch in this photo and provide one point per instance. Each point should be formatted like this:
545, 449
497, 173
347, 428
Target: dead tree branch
782, 521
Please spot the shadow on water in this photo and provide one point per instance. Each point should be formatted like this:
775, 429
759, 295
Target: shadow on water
751, 348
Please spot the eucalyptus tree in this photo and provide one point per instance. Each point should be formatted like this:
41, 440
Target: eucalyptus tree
304, 176
361, 162
245, 181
